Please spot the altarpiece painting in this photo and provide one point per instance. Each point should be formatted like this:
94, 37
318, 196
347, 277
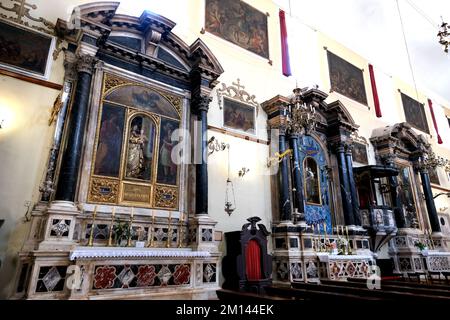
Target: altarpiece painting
133, 162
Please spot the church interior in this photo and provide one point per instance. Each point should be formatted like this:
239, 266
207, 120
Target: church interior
212, 149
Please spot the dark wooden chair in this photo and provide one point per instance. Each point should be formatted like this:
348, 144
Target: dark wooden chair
247, 266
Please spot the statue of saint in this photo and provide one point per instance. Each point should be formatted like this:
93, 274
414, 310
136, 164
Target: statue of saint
135, 163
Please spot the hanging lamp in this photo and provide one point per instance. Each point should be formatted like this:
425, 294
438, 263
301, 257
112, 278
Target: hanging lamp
230, 200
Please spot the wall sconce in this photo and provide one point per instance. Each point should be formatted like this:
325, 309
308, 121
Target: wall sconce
214, 145
278, 157
243, 171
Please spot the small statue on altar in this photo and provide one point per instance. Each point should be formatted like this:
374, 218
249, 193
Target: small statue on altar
135, 163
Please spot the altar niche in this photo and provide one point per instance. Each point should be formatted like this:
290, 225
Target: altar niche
132, 156
315, 182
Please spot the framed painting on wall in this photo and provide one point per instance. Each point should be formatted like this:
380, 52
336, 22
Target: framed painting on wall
346, 79
414, 113
434, 178
239, 23
24, 51
239, 116
359, 153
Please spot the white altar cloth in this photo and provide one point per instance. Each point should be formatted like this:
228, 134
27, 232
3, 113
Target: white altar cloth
131, 252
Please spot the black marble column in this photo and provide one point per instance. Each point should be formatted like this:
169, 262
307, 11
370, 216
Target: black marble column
201, 105
397, 205
352, 186
431, 207
70, 164
285, 202
297, 177
345, 185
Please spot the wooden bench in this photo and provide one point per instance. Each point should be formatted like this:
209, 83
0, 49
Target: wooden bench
224, 294
316, 295
405, 283
391, 295
392, 288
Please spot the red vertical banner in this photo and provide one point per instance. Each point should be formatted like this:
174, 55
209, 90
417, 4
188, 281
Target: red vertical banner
376, 101
430, 104
284, 46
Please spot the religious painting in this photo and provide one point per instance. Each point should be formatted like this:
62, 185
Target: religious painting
143, 98
107, 161
346, 79
434, 178
239, 116
359, 153
415, 113
25, 51
141, 137
167, 168
311, 181
239, 23
405, 193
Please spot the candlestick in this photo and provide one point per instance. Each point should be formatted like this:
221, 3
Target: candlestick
169, 231
180, 231
130, 227
111, 227
91, 235
151, 230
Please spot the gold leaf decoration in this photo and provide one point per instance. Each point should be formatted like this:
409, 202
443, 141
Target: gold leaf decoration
177, 102
113, 81
166, 197
104, 190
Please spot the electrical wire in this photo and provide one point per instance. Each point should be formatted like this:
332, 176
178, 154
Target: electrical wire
422, 13
407, 51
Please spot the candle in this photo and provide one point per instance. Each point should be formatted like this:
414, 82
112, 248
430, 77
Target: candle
313, 229
181, 216
132, 212
111, 227
170, 216
91, 235
346, 231
325, 229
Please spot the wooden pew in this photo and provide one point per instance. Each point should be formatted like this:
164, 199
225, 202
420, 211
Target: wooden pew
405, 284
224, 294
368, 293
316, 295
391, 288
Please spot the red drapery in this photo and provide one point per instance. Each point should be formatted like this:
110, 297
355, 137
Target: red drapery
430, 104
376, 101
284, 46
253, 260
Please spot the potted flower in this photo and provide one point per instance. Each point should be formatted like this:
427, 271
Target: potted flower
121, 233
422, 247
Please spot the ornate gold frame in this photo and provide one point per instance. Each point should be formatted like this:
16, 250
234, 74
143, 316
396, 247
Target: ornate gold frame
318, 181
112, 82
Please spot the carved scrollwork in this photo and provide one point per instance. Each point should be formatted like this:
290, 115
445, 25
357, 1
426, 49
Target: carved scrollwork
177, 102
166, 197
86, 63
113, 81
104, 190
22, 11
236, 91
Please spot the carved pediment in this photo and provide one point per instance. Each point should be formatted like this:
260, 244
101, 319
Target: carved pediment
399, 137
99, 20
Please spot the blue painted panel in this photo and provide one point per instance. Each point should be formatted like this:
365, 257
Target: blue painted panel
309, 147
